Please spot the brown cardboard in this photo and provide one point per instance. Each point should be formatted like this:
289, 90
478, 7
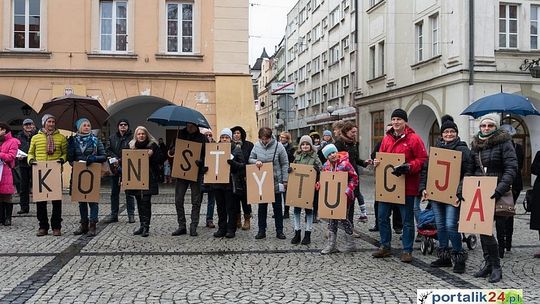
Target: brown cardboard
477, 210
388, 187
216, 156
301, 186
332, 197
47, 181
443, 176
185, 154
86, 183
260, 184
135, 169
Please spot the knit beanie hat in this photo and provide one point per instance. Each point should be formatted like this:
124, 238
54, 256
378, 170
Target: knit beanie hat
493, 118
122, 120
79, 122
45, 118
327, 133
226, 131
329, 149
400, 113
447, 122
308, 140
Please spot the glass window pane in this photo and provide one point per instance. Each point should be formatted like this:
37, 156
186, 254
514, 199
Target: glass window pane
513, 41
534, 28
106, 9
534, 12
172, 44
513, 26
19, 23
502, 26
187, 12
187, 44
34, 23
18, 7
186, 28
106, 42
121, 10
34, 7
121, 26
172, 11
18, 40
106, 26
502, 40
121, 42
172, 29
502, 11
513, 11
534, 42
33, 40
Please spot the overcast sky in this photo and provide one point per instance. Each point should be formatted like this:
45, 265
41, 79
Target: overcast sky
267, 21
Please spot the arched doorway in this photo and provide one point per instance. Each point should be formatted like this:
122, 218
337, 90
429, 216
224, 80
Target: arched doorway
15, 111
522, 138
422, 119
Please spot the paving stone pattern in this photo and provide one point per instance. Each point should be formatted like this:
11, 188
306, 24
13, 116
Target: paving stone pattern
117, 267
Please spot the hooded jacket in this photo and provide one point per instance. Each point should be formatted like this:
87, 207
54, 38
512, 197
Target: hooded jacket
343, 164
8, 152
244, 144
265, 153
410, 144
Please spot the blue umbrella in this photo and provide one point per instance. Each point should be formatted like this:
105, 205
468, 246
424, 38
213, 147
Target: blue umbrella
180, 116
501, 102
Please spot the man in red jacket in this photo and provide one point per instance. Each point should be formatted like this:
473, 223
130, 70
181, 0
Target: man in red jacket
401, 139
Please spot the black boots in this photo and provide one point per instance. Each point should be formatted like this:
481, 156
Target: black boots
486, 269
296, 239
443, 258
5, 213
92, 229
492, 264
83, 229
307, 238
459, 259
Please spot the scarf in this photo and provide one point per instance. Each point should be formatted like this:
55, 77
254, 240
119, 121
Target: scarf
50, 141
142, 144
483, 137
86, 140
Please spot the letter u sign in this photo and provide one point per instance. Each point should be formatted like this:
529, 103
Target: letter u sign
332, 198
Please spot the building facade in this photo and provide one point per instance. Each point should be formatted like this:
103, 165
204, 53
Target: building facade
133, 56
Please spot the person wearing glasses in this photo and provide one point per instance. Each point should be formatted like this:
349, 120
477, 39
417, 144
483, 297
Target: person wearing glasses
493, 154
205, 189
117, 142
25, 136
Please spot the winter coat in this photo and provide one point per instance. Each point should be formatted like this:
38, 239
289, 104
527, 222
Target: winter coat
498, 156
8, 152
38, 147
466, 164
25, 145
238, 172
307, 158
410, 144
244, 144
155, 160
76, 154
290, 152
265, 153
518, 181
535, 204
343, 164
351, 148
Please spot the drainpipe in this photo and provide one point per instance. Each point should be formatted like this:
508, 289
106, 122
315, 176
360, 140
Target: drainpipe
471, 62
356, 60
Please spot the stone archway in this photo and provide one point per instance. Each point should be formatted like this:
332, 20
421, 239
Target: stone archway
422, 119
14, 111
523, 138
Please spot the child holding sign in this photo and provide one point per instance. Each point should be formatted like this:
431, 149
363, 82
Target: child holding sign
339, 161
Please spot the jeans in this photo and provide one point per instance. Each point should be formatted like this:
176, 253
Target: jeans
94, 210
179, 198
56, 218
407, 217
446, 220
115, 198
278, 214
417, 209
309, 218
227, 208
210, 206
26, 182
396, 216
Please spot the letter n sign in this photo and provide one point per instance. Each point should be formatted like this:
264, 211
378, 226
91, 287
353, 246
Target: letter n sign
476, 212
332, 197
86, 182
47, 181
444, 172
135, 169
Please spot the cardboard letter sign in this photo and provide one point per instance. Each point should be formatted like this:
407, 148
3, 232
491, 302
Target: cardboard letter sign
185, 154
135, 169
260, 184
443, 176
388, 187
86, 182
332, 197
47, 181
476, 212
216, 160
301, 186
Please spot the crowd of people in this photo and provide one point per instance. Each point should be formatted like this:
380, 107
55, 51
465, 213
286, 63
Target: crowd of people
491, 153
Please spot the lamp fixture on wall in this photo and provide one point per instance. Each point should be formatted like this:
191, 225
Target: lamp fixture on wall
330, 110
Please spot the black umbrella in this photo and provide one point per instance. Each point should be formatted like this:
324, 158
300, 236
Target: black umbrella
173, 115
501, 102
68, 109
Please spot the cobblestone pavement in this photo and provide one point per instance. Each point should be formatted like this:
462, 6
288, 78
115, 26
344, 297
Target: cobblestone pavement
117, 267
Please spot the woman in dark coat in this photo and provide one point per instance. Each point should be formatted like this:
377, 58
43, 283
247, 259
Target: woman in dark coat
493, 154
143, 140
535, 204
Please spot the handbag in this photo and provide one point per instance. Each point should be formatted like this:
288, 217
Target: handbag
105, 169
504, 206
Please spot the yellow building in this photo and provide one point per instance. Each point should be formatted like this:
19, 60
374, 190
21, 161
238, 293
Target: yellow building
133, 56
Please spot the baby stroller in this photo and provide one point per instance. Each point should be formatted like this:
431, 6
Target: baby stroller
427, 230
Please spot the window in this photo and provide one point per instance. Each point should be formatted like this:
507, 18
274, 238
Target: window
508, 24
345, 81
179, 27
302, 74
334, 54
381, 58
434, 21
113, 25
419, 41
308, 68
315, 4
317, 32
323, 56
334, 89
378, 127
344, 45
345, 4
324, 22
302, 104
316, 96
324, 92
334, 17
26, 24
302, 16
535, 10
316, 63
372, 62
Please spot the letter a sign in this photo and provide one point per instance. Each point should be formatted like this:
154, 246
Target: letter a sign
388, 187
86, 182
135, 169
47, 181
185, 154
260, 184
443, 175
476, 212
216, 160
332, 197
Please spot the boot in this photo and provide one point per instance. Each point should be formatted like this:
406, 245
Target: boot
501, 250
508, 243
331, 245
247, 222
92, 229
349, 244
486, 269
139, 231
459, 259
238, 221
286, 212
146, 230
9, 211
83, 229
443, 255
496, 270
307, 238
296, 239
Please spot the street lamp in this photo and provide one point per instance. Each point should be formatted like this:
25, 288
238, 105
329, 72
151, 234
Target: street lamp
532, 65
330, 110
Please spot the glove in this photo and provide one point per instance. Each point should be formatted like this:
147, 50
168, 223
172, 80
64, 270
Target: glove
90, 159
60, 161
230, 162
204, 170
289, 170
316, 168
496, 195
460, 197
401, 169
33, 162
199, 163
